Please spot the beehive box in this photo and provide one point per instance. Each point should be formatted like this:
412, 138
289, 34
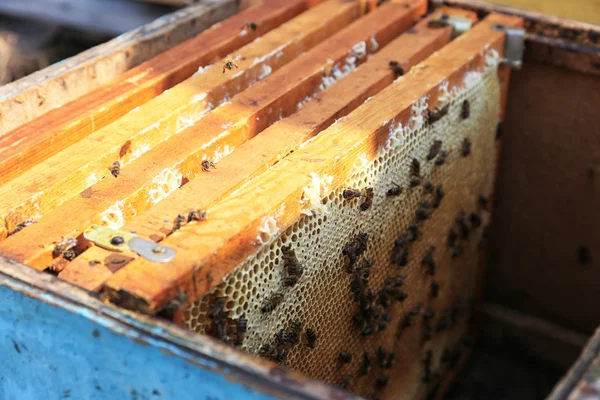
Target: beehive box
345, 158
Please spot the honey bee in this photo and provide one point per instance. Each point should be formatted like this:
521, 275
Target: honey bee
229, 64
216, 308
415, 181
368, 202
290, 262
381, 356
349, 194
356, 247
434, 116
242, 326
365, 366
475, 220
280, 356
457, 251
427, 333
272, 303
465, 147
282, 337
441, 158
465, 109
429, 261
415, 310
311, 338
207, 164
483, 201
294, 332
434, 289
115, 169
62, 246
424, 211
290, 280
369, 330
250, 25
438, 196
21, 226
394, 191
414, 232
197, 215
180, 221
345, 381
428, 187
415, 167
436, 24
397, 68
381, 381
452, 237
434, 150
399, 254
462, 225
584, 255
345, 357
268, 351
429, 314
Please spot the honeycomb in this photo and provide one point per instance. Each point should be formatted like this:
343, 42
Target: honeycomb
322, 299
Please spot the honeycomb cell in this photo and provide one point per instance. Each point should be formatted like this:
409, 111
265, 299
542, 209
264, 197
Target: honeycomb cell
322, 299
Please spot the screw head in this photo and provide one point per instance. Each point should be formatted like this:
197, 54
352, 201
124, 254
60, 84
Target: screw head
117, 240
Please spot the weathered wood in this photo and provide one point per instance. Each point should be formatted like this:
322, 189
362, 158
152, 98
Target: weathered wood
51, 183
34, 142
180, 159
28, 98
112, 17
92, 268
209, 250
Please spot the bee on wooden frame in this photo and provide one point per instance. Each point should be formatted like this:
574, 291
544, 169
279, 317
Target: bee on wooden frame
115, 169
180, 221
250, 25
229, 64
63, 245
207, 164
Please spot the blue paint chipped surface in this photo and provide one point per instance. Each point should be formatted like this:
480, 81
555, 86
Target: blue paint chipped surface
49, 352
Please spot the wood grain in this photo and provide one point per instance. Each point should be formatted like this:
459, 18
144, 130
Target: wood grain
208, 251
68, 173
43, 137
267, 148
221, 130
31, 96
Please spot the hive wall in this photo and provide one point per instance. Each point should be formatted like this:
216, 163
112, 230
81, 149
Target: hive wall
322, 299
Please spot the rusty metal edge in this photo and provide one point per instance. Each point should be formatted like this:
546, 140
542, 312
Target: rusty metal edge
202, 351
569, 382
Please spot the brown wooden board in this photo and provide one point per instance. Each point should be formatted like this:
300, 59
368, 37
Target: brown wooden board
208, 251
221, 130
47, 135
95, 265
66, 174
31, 96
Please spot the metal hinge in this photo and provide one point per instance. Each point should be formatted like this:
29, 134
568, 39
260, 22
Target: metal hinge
514, 47
119, 241
459, 24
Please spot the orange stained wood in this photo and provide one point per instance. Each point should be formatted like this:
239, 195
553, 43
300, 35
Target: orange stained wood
39, 139
93, 267
209, 250
164, 168
64, 175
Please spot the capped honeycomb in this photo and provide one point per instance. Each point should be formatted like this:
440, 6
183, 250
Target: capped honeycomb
406, 261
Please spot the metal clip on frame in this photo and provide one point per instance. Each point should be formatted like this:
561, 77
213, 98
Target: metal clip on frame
459, 24
514, 46
119, 241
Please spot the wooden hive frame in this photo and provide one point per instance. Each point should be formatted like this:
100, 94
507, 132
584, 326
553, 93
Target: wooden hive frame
266, 129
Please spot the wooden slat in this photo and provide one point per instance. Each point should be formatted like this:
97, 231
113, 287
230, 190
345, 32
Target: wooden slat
208, 251
66, 174
34, 142
221, 130
92, 268
31, 96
